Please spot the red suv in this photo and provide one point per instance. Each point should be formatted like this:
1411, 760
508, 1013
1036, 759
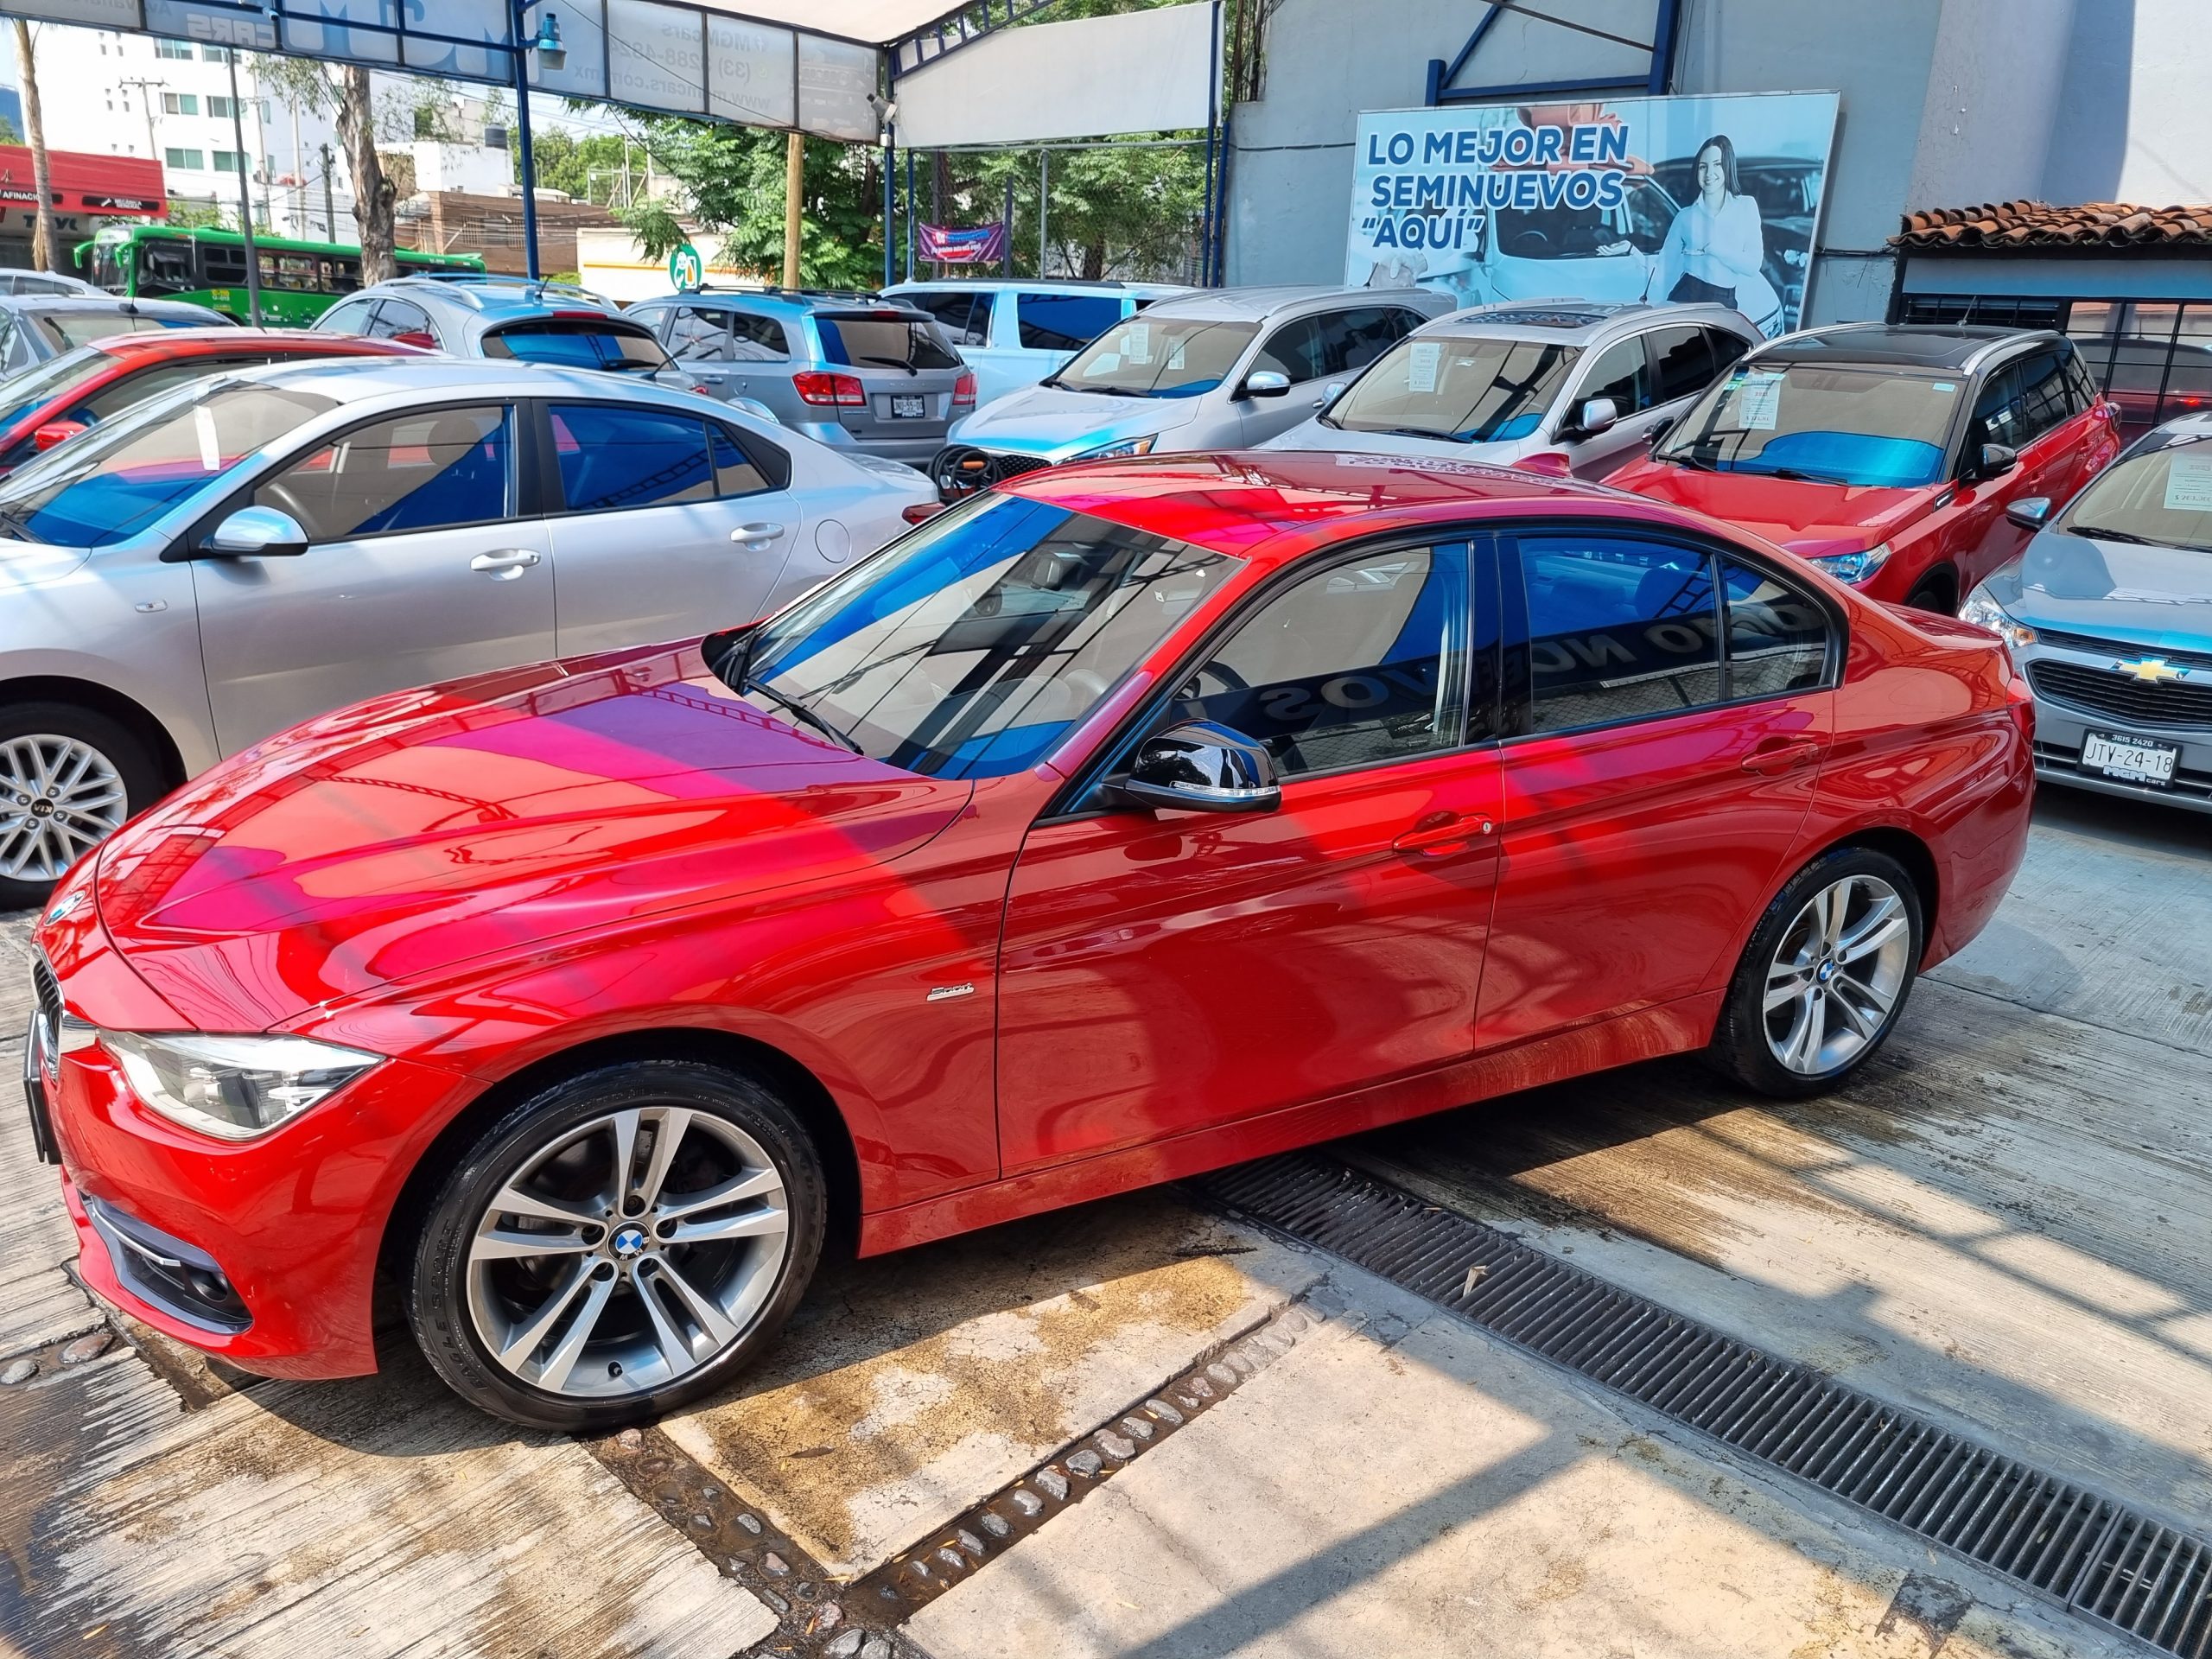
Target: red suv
54, 401
1138, 818
1886, 454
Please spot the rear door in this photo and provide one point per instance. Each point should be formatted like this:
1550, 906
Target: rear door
419, 567
664, 524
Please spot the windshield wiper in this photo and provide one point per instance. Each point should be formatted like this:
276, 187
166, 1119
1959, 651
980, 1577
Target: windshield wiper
843, 740
12, 525
891, 363
2103, 535
1689, 458
1798, 476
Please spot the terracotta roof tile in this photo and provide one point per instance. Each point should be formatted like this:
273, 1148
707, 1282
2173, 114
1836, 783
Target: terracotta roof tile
2040, 225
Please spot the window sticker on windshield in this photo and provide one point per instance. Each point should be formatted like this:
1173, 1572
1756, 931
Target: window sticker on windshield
1137, 342
1421, 371
1759, 402
1105, 363
1944, 386
1175, 356
2189, 483
211, 446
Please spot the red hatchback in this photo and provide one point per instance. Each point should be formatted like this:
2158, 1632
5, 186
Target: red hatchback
57, 400
1135, 819
1887, 454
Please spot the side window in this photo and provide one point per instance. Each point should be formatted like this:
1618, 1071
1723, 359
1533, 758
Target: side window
348, 317
119, 395
1996, 412
1294, 349
1348, 341
696, 334
613, 457
1777, 639
1361, 664
421, 472
1619, 629
965, 317
758, 340
398, 319
2081, 386
1727, 347
1064, 322
1620, 372
1685, 360
2043, 399
735, 472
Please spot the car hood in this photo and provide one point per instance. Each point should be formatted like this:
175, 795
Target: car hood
1808, 518
485, 817
27, 564
2158, 597
1311, 435
1057, 425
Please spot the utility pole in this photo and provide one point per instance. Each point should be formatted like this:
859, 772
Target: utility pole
329, 205
794, 198
147, 91
245, 196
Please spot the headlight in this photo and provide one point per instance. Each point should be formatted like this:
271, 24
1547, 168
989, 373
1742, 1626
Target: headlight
233, 1087
1856, 568
1119, 448
1985, 611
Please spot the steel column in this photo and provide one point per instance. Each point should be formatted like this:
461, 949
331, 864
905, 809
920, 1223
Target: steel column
519, 56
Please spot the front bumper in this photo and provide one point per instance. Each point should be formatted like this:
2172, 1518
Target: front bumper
2063, 726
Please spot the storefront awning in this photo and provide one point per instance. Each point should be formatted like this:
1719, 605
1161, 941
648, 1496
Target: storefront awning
83, 183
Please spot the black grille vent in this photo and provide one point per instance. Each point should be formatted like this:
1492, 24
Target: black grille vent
2121, 650
2087, 1552
47, 992
2122, 696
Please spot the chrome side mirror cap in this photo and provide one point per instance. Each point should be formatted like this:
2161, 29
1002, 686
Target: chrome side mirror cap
2029, 511
1599, 415
1199, 766
1266, 383
257, 533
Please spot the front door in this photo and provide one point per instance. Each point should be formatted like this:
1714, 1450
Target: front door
668, 526
1166, 971
1621, 373
1676, 713
417, 569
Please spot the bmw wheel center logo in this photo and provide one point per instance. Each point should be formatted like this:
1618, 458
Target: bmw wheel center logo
629, 1242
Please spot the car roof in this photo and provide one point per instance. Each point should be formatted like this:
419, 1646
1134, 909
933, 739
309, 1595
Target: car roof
1271, 506
1256, 304
1574, 323
433, 373
177, 342
1962, 347
108, 304
795, 300
497, 294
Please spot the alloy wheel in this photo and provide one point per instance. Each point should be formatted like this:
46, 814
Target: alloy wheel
1836, 977
59, 797
631, 1251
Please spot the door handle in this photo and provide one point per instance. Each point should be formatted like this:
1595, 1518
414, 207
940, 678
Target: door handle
756, 536
1778, 755
1440, 833
505, 565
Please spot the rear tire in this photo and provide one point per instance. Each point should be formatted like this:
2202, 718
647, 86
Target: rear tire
1824, 979
682, 1208
69, 777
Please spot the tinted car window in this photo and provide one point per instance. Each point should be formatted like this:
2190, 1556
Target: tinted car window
1621, 373
612, 457
1686, 359
2000, 414
1294, 350
1476, 390
693, 333
119, 395
34, 388
1361, 664
881, 341
421, 472
397, 317
756, 340
70, 329
735, 472
1064, 322
348, 317
1777, 639
2044, 400
578, 343
965, 318
1618, 629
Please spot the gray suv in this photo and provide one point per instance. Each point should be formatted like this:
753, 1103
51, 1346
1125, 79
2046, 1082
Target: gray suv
848, 370
470, 314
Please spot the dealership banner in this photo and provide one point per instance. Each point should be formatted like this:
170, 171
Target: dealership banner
1612, 201
983, 246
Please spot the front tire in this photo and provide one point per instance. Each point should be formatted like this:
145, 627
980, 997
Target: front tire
69, 777
620, 1243
1824, 977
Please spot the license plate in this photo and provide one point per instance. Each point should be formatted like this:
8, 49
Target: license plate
2137, 759
908, 408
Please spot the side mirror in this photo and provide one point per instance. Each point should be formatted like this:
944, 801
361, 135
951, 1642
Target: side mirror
1993, 460
257, 533
2029, 511
1657, 434
1265, 382
1599, 415
1201, 767
54, 433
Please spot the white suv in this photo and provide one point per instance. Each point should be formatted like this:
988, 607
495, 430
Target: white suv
1012, 333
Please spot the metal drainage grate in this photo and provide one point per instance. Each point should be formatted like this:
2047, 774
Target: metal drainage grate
2090, 1554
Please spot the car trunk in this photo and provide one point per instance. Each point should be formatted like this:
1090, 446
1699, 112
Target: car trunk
907, 373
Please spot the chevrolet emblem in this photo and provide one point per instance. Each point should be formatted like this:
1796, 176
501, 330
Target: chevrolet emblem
2152, 670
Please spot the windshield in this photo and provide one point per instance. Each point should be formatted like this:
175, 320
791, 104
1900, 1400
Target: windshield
2162, 496
881, 341
113, 482
1153, 356
578, 344
1882, 428
21, 394
72, 328
1475, 391
970, 648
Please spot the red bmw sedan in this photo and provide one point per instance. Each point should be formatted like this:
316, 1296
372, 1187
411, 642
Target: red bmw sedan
1132, 820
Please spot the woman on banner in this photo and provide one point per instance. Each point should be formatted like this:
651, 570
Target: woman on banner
1716, 245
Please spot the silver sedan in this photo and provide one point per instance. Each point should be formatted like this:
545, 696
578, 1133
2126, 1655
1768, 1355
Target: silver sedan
263, 546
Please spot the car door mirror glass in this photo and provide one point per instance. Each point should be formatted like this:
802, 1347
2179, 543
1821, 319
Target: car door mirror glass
1994, 461
1266, 383
2029, 511
1199, 766
259, 532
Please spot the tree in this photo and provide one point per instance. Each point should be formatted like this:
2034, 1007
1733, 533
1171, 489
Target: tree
1114, 211
734, 177
375, 201
45, 254
8, 133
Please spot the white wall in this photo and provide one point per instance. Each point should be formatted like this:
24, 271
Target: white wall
2133, 120
1994, 89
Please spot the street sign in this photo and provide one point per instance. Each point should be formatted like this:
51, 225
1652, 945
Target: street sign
685, 267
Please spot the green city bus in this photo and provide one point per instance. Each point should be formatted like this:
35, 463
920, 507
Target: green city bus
299, 280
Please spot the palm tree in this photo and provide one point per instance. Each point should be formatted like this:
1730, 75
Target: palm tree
45, 254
